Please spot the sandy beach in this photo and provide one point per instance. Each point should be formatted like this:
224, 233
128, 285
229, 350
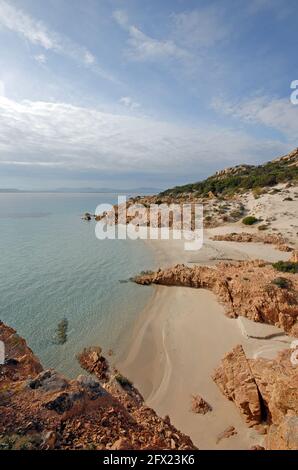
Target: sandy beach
182, 335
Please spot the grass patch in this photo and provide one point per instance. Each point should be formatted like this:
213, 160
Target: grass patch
255, 178
286, 267
249, 220
281, 282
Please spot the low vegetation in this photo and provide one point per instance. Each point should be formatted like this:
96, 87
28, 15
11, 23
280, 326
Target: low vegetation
249, 220
286, 267
282, 282
255, 178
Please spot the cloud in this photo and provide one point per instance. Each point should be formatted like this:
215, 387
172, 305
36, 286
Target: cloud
200, 28
121, 17
40, 58
145, 48
67, 137
276, 113
37, 33
2, 88
128, 102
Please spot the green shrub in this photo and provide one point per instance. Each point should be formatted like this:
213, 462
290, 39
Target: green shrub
267, 175
286, 267
282, 282
249, 220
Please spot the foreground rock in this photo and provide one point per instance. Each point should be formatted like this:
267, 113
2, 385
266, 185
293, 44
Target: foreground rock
246, 288
199, 405
92, 360
40, 409
265, 391
228, 432
235, 380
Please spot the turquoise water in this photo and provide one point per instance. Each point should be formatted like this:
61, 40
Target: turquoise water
52, 266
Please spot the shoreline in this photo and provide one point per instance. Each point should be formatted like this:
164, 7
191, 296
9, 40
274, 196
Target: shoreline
177, 342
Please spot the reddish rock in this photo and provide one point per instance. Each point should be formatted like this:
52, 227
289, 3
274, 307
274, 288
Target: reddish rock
49, 411
245, 288
199, 405
228, 432
271, 239
235, 380
92, 361
284, 436
122, 444
277, 386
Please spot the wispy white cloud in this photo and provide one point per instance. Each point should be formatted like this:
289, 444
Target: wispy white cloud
38, 34
277, 113
128, 102
200, 28
69, 137
121, 18
40, 58
2, 88
145, 48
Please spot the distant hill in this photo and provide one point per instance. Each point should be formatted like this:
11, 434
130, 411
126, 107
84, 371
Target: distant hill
85, 190
108, 190
243, 177
9, 190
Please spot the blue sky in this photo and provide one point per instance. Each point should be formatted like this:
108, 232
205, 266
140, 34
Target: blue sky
137, 93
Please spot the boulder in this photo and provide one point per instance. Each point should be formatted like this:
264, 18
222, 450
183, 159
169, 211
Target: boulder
235, 380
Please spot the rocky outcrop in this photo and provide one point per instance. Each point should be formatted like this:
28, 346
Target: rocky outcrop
277, 381
264, 391
284, 436
20, 362
246, 288
290, 159
271, 239
92, 360
234, 170
41, 409
228, 432
235, 380
199, 405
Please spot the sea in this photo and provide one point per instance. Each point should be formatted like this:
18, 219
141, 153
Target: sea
52, 266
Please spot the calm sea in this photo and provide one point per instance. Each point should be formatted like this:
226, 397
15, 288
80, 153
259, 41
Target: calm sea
52, 266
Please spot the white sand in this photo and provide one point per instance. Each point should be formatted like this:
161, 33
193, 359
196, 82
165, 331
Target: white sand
181, 337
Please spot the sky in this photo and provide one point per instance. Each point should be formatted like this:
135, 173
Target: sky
143, 93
